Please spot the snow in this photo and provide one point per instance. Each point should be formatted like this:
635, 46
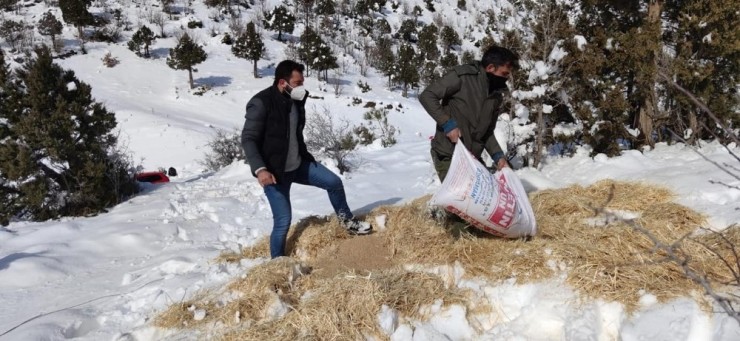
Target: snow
540, 71
580, 41
558, 53
105, 277
536, 91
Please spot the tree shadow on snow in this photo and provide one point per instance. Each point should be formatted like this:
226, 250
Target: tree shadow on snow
364, 210
333, 81
159, 53
214, 81
5, 261
528, 186
266, 71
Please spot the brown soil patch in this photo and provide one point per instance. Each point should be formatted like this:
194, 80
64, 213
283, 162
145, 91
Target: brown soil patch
360, 254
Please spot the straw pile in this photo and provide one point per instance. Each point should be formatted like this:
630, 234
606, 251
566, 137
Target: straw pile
602, 238
346, 307
267, 287
182, 315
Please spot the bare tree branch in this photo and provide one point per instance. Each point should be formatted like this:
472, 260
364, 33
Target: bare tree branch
701, 106
711, 131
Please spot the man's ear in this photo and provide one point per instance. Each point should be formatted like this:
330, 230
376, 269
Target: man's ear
490, 68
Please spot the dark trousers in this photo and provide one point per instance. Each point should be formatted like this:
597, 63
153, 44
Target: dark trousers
455, 225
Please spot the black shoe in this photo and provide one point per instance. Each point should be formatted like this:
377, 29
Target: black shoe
355, 226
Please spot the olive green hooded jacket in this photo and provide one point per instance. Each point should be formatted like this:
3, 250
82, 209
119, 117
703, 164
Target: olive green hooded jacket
463, 95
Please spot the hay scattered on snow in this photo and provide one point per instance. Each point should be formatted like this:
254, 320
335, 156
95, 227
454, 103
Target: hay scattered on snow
258, 296
183, 314
615, 262
610, 260
346, 307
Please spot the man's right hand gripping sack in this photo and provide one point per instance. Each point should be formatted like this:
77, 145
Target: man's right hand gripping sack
495, 203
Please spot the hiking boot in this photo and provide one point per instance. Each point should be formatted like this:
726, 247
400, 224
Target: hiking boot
355, 226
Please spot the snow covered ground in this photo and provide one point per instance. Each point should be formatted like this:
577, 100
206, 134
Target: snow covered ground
104, 277
101, 278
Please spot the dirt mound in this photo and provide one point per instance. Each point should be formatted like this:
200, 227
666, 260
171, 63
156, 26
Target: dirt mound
361, 255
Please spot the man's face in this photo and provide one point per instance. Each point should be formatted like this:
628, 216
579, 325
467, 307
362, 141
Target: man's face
501, 70
295, 80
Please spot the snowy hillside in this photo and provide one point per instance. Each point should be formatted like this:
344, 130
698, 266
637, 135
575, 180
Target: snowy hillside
105, 277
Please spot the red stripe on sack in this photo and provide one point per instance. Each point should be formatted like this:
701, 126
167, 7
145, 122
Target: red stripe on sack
503, 214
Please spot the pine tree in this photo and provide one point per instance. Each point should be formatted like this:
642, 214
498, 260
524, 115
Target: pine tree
406, 69
325, 60
428, 42
249, 46
315, 53
449, 37
467, 57
407, 31
227, 39
7, 5
367, 24
143, 37
382, 27
5, 94
49, 25
448, 61
706, 64
649, 34
625, 56
429, 72
12, 31
74, 12
416, 12
430, 5
305, 10
547, 30
325, 7
57, 157
281, 20
362, 8
382, 57
307, 49
224, 4
377, 5
603, 84
186, 55
166, 4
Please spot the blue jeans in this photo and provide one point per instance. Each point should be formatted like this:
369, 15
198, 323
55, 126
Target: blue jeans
309, 173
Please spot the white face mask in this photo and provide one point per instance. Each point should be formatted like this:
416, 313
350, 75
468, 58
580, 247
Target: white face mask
298, 93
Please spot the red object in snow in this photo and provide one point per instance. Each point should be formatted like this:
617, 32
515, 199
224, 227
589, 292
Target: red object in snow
152, 177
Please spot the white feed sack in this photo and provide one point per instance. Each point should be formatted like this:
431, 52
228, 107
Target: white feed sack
495, 203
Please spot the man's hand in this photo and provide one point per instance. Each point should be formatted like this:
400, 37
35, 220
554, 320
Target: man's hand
454, 135
502, 163
265, 178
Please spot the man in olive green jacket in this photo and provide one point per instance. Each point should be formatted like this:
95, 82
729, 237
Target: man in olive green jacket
466, 103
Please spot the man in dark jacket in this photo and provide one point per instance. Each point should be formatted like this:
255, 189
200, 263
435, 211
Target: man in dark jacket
466, 103
273, 143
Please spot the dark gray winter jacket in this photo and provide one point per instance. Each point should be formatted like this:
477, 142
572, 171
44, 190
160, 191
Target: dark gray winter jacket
463, 95
266, 133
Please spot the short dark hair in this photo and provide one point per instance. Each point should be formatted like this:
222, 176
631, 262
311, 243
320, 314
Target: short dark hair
498, 56
285, 69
